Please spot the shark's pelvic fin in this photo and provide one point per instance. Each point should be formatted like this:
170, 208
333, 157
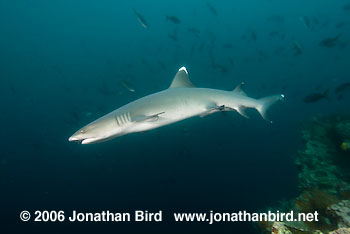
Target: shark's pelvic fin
239, 90
147, 118
213, 109
181, 80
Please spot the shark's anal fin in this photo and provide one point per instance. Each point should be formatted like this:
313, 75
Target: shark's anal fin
239, 90
147, 118
212, 110
181, 80
241, 110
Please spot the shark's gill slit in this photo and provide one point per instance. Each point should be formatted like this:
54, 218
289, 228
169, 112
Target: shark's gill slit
116, 119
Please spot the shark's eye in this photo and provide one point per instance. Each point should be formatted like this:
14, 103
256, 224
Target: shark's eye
82, 131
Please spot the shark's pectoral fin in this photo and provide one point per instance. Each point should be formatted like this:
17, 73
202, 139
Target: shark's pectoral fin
147, 118
212, 110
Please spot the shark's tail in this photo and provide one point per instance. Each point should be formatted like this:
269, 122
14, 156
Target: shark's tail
266, 102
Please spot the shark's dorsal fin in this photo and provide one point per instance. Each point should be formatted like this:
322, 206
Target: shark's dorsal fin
181, 80
239, 90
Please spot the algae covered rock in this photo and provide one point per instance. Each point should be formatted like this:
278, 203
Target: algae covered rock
341, 231
341, 211
317, 168
317, 232
280, 228
343, 129
345, 146
323, 178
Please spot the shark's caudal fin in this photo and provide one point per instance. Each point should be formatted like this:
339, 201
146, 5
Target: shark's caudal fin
266, 102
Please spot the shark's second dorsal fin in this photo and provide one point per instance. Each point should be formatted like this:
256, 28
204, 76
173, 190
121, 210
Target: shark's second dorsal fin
239, 90
181, 80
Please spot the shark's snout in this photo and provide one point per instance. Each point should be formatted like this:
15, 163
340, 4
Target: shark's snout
73, 138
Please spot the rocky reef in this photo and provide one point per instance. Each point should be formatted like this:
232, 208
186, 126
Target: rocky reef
323, 166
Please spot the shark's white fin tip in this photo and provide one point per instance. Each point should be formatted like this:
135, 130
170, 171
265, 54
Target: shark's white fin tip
183, 69
181, 79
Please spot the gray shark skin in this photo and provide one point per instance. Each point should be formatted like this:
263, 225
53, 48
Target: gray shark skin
180, 101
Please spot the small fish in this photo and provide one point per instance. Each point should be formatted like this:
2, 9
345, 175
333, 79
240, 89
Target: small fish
12, 89
212, 9
261, 55
227, 45
193, 30
342, 87
219, 67
141, 19
193, 48
298, 48
346, 7
253, 35
212, 39
277, 34
276, 19
231, 61
284, 89
279, 50
330, 41
274, 33
173, 19
162, 65
345, 146
315, 97
105, 89
319, 86
128, 86
144, 61
75, 115
173, 36
201, 47
341, 24
306, 21
283, 35
343, 44
249, 35
325, 23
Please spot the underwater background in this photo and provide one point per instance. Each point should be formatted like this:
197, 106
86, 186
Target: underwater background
66, 63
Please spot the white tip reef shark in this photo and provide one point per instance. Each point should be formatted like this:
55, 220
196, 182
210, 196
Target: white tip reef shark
182, 100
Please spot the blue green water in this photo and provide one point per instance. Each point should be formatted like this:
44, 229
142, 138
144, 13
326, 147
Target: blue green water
63, 64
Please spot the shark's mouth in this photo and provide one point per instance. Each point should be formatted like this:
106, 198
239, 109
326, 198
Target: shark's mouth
88, 140
83, 141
